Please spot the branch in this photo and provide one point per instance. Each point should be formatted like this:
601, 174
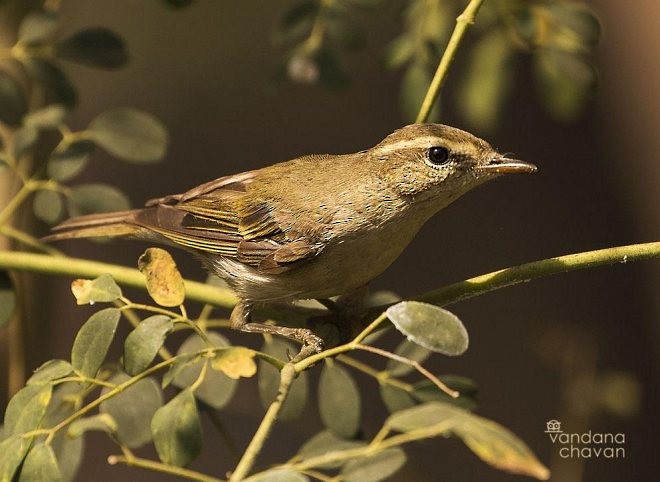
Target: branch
287, 376
160, 467
463, 21
537, 269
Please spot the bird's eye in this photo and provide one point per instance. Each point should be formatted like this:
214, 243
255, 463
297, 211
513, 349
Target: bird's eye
438, 156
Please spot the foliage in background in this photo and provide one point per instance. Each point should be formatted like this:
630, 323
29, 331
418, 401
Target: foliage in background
152, 395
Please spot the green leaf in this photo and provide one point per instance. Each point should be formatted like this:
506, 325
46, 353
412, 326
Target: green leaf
24, 140
7, 298
133, 409
164, 281
130, 134
96, 198
68, 451
399, 51
427, 391
40, 465
66, 162
26, 409
94, 47
103, 289
411, 351
57, 87
142, 344
48, 206
339, 401
269, 380
182, 361
487, 80
278, 475
374, 467
416, 82
49, 371
490, 441
93, 340
430, 326
13, 105
395, 399
176, 430
12, 451
38, 26
566, 82
217, 389
325, 442
101, 422
296, 22
49, 117
577, 18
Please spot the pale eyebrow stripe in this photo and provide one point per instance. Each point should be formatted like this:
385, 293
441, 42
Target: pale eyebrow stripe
426, 141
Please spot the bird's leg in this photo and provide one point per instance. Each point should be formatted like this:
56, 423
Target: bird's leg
240, 320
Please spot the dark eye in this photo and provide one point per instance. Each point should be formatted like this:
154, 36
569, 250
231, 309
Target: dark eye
438, 155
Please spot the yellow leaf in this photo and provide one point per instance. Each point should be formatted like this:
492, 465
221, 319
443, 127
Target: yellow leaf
164, 282
235, 363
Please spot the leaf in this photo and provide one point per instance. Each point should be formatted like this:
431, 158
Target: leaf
269, 380
411, 351
24, 140
325, 442
579, 19
182, 361
67, 161
176, 430
101, 422
395, 399
103, 289
217, 389
49, 117
96, 198
48, 206
40, 465
68, 451
235, 362
13, 105
399, 51
164, 282
339, 401
278, 475
94, 47
427, 391
296, 22
26, 409
133, 409
487, 80
12, 451
49, 371
57, 87
38, 26
142, 344
374, 467
130, 134
430, 326
490, 441
7, 298
93, 340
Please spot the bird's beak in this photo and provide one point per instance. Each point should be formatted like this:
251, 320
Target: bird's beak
503, 165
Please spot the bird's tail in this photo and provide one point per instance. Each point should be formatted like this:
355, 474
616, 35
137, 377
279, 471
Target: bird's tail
96, 225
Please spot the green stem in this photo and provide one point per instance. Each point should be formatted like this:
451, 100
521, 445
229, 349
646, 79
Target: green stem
383, 377
28, 240
463, 21
287, 376
526, 272
160, 467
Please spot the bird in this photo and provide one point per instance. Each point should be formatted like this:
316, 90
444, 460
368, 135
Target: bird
313, 227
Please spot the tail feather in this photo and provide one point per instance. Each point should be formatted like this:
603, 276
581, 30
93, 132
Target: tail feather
96, 225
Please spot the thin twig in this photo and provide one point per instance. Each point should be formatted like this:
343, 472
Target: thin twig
463, 21
160, 467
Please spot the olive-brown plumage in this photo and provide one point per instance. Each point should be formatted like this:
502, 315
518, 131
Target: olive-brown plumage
315, 226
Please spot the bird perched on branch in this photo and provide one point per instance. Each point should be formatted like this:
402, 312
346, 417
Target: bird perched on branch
316, 226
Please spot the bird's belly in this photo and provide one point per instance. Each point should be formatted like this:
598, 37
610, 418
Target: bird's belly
342, 266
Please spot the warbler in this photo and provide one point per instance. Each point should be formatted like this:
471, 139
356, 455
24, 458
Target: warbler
316, 226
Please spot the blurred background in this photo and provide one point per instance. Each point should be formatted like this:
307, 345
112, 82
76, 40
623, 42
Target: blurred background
581, 348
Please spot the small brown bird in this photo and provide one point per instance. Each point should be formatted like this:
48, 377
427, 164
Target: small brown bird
316, 226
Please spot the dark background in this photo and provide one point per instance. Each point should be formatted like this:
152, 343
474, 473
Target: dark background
539, 351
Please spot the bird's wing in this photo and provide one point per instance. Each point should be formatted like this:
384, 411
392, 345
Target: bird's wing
221, 217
